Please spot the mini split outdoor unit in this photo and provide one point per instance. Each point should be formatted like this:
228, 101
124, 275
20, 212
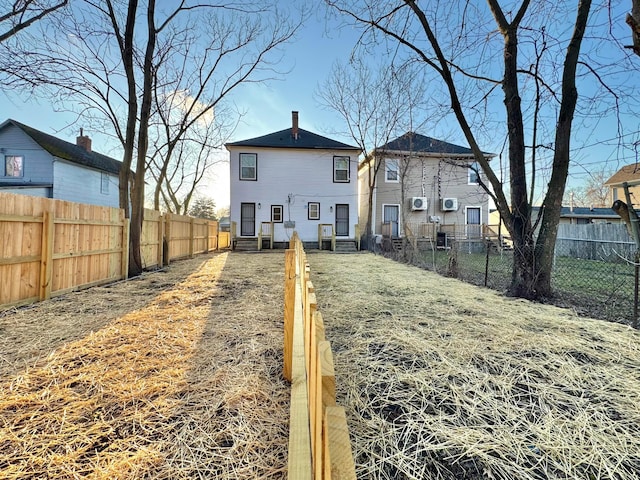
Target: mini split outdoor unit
449, 204
419, 203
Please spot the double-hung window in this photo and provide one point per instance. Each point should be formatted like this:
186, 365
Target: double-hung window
104, 183
14, 165
391, 170
341, 169
249, 166
474, 174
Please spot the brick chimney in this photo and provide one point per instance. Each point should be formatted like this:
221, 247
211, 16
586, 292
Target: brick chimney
294, 125
83, 141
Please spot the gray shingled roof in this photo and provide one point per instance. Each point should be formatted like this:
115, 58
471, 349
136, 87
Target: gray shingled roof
284, 139
68, 151
416, 143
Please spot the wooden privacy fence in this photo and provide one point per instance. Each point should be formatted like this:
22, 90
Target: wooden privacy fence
319, 446
51, 247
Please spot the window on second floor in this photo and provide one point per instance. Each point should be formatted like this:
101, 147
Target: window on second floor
13, 166
248, 166
104, 183
474, 174
391, 170
341, 169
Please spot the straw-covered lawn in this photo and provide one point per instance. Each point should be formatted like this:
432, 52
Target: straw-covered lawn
174, 375
178, 375
444, 380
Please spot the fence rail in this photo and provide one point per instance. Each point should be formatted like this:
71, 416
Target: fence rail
51, 247
319, 445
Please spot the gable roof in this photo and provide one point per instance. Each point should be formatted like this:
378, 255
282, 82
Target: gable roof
416, 143
285, 139
628, 173
68, 151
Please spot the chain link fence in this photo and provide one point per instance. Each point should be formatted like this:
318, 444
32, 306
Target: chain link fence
595, 277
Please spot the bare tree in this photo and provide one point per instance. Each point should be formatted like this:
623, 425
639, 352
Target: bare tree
107, 66
633, 20
459, 42
375, 104
177, 180
593, 192
23, 13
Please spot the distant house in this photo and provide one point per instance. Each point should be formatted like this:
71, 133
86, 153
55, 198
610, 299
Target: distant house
293, 179
628, 174
583, 215
421, 180
38, 164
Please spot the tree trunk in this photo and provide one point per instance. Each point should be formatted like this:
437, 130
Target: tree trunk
137, 198
545, 244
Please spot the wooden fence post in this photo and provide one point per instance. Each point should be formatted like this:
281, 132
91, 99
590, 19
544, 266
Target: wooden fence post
167, 237
337, 448
124, 272
191, 236
289, 307
160, 240
46, 255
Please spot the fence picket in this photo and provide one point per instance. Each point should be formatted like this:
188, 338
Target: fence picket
49, 247
320, 448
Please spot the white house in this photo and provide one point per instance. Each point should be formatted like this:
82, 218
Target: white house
297, 180
38, 164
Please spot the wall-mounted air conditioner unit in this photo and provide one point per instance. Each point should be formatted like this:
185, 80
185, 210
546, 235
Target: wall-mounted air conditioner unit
449, 204
418, 203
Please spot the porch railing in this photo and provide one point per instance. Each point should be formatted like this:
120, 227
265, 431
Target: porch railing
326, 232
266, 231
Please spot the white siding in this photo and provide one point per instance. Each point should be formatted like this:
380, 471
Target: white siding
81, 184
292, 178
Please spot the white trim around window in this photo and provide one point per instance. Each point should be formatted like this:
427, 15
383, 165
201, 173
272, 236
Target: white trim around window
248, 166
13, 166
341, 169
313, 211
391, 170
473, 174
276, 213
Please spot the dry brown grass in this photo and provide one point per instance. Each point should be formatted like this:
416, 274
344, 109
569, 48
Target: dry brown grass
440, 379
186, 386
444, 380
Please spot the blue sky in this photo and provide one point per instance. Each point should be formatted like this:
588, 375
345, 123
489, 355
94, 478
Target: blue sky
308, 59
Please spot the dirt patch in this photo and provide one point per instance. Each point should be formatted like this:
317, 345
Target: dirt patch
442, 379
175, 375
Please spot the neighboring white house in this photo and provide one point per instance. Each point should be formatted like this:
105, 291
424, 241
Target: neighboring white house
297, 180
420, 180
38, 164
